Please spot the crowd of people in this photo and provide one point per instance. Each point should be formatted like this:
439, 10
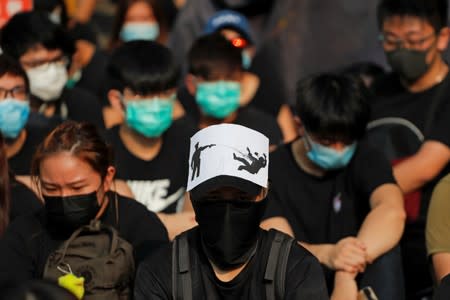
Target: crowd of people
178, 162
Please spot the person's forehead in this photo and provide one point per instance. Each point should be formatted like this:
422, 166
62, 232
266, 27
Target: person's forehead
139, 9
406, 25
8, 81
39, 52
65, 167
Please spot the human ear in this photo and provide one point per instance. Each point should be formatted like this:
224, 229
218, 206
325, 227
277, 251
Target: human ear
189, 81
109, 178
114, 97
299, 125
443, 39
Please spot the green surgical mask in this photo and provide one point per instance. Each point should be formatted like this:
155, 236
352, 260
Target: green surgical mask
218, 99
150, 117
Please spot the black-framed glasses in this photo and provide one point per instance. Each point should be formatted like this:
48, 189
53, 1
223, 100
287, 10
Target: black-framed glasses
19, 92
395, 43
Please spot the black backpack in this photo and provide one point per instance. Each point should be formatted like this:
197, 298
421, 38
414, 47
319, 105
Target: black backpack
274, 277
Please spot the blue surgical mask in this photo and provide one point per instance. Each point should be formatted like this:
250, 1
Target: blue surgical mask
328, 158
13, 116
246, 59
218, 99
139, 31
150, 117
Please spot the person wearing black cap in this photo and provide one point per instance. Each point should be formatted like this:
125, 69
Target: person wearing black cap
228, 256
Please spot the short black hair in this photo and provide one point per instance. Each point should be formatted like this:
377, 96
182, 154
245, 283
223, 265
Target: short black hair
213, 54
10, 66
434, 12
28, 29
145, 67
333, 106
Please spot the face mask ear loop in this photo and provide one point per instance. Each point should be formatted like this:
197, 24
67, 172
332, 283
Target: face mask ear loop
122, 101
307, 142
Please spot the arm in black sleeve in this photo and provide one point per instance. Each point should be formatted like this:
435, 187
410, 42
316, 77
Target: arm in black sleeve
16, 262
304, 278
154, 276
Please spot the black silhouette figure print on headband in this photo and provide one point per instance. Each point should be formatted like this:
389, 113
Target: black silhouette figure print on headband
195, 160
250, 163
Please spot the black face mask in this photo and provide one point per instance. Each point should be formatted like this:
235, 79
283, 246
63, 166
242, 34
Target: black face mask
229, 230
71, 212
407, 63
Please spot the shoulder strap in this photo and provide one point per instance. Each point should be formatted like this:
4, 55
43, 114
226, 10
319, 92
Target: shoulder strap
181, 268
275, 273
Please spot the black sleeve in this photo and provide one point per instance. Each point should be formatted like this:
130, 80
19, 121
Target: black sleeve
439, 128
23, 201
16, 263
153, 278
143, 228
371, 169
277, 181
273, 208
304, 278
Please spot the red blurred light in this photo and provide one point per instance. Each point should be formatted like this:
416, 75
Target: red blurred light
239, 42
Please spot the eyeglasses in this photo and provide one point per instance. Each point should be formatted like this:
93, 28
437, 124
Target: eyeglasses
18, 92
394, 43
239, 42
34, 64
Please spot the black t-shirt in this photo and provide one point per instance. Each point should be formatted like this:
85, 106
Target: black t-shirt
37, 129
23, 201
28, 241
81, 105
443, 291
160, 183
393, 100
248, 116
304, 277
325, 209
94, 74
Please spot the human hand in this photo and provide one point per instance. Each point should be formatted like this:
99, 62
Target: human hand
348, 255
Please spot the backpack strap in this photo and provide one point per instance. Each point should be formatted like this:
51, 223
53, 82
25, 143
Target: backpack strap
275, 274
181, 268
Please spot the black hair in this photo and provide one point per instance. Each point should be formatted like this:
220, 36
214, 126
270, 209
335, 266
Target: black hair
28, 29
333, 107
145, 67
50, 5
122, 10
10, 66
213, 54
434, 12
365, 70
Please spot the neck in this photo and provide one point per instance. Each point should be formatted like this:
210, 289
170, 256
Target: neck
436, 73
139, 145
249, 87
206, 121
16, 145
299, 151
226, 276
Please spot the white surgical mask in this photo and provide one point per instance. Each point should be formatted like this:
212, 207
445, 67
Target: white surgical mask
47, 81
